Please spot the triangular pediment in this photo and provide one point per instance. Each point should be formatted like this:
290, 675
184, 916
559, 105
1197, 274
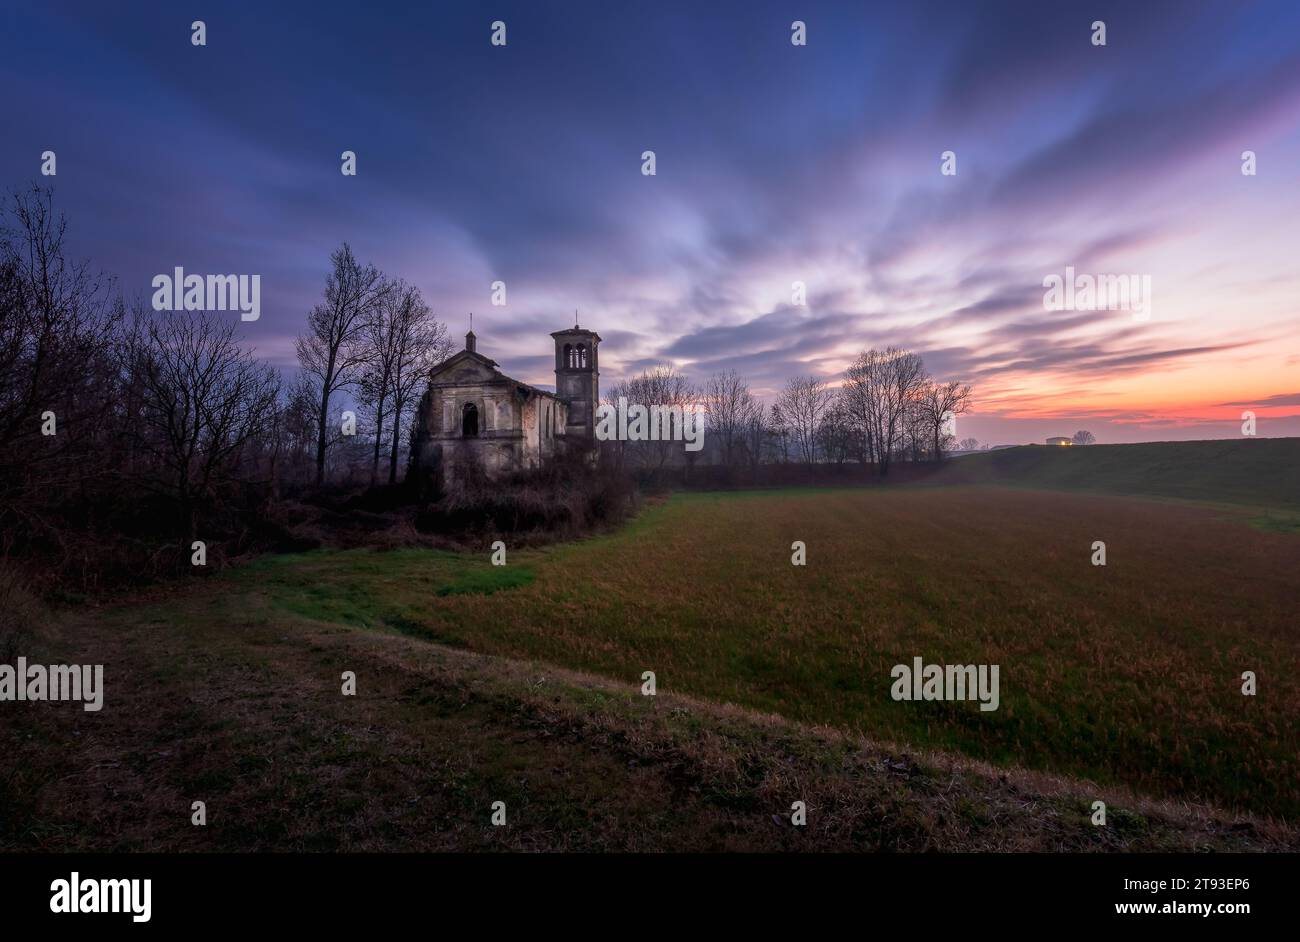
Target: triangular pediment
465, 368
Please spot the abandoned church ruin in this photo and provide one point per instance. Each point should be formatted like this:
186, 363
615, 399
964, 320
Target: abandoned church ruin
473, 416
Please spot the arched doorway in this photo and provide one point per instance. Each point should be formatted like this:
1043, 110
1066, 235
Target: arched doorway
469, 422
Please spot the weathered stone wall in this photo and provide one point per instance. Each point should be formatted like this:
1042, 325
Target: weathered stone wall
517, 428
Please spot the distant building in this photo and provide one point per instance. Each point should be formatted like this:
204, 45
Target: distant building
474, 413
1060, 440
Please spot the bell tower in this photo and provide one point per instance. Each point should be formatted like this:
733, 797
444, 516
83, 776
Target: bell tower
577, 378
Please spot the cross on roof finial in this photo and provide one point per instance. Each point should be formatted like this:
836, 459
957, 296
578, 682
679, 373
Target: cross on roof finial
471, 320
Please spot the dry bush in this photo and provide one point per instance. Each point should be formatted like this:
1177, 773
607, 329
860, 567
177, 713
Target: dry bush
568, 497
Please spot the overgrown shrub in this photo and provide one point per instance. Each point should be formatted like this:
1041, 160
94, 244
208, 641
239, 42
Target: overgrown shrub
568, 497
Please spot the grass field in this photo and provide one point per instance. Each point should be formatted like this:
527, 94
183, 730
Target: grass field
1126, 675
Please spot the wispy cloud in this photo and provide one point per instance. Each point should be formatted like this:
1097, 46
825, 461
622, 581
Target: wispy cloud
776, 164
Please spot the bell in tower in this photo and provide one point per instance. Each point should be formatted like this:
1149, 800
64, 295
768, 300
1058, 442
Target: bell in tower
577, 378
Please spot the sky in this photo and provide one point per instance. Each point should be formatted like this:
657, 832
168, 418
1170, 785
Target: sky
775, 164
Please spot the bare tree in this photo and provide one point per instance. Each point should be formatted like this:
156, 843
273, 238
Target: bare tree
205, 399
333, 349
730, 407
58, 325
778, 433
56, 316
380, 337
404, 342
422, 344
880, 387
938, 401
969, 444
295, 431
660, 385
1084, 437
914, 434
802, 402
754, 435
835, 432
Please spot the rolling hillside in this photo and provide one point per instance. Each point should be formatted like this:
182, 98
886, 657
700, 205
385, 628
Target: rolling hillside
1259, 472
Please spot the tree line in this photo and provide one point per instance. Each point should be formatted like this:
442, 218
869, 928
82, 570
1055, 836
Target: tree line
886, 408
122, 422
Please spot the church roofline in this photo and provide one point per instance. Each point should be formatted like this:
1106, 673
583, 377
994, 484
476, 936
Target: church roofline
463, 355
500, 379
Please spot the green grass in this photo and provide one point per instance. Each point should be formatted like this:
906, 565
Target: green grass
487, 581
1124, 674
305, 584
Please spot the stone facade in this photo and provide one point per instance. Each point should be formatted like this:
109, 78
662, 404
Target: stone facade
472, 414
